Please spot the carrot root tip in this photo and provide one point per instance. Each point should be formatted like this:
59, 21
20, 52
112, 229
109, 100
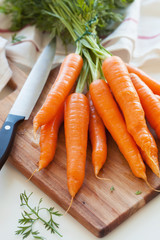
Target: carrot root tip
150, 186
68, 207
101, 178
36, 170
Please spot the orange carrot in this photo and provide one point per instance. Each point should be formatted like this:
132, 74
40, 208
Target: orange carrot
122, 87
153, 161
76, 120
114, 122
151, 83
98, 137
149, 101
48, 138
69, 71
151, 106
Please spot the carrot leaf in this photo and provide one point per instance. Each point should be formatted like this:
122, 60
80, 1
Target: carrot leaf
138, 192
30, 217
102, 14
83, 23
112, 189
17, 38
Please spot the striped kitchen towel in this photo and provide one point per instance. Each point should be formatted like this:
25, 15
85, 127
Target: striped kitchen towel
137, 39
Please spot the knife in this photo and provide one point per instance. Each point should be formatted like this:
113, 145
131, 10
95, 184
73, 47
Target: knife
26, 100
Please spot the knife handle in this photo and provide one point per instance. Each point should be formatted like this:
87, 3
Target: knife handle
7, 134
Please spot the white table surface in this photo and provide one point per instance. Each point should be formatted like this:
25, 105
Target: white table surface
143, 225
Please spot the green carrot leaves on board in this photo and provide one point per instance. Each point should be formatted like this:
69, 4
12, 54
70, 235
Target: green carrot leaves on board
138, 192
112, 189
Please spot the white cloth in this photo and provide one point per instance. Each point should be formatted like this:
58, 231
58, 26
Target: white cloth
5, 71
136, 40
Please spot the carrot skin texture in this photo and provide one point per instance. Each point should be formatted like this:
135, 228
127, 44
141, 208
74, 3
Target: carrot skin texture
122, 87
69, 71
48, 138
76, 121
114, 122
149, 101
97, 136
151, 106
150, 82
153, 161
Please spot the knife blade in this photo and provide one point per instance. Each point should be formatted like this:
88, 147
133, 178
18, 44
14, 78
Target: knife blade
26, 100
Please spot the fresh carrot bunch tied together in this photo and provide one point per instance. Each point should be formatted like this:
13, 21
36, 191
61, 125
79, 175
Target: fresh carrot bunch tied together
119, 96
116, 100
93, 113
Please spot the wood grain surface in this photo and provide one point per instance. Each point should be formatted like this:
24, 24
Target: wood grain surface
95, 206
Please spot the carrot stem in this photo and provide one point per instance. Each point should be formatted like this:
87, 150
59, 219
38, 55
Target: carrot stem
82, 78
94, 71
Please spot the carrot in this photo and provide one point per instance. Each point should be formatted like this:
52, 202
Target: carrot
98, 137
153, 164
48, 138
122, 87
69, 71
149, 101
151, 83
151, 106
76, 120
114, 122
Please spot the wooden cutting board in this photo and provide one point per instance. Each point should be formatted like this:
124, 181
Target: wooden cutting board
95, 206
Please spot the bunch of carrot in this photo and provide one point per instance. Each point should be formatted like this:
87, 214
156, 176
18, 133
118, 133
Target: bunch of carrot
119, 102
119, 96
